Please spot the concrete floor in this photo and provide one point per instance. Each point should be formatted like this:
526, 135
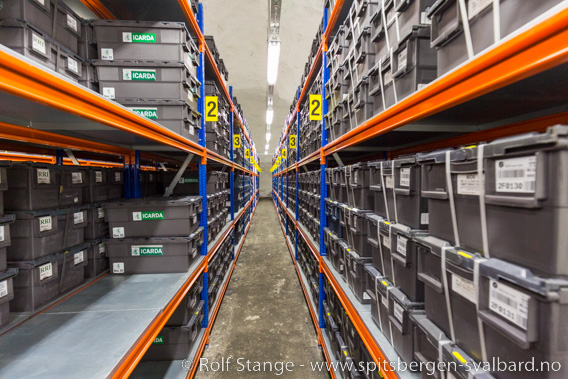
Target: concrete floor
264, 316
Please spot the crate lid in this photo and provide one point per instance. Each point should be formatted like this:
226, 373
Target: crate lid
7, 219
454, 255
9, 273
555, 137
434, 334
400, 297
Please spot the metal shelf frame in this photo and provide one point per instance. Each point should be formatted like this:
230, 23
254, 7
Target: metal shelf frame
531, 52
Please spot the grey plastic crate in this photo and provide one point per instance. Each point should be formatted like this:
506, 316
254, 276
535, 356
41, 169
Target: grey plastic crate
7, 294
522, 317
466, 190
118, 40
3, 185
356, 275
382, 184
39, 233
403, 16
379, 35
175, 343
526, 199
154, 217
390, 95
411, 209
186, 309
161, 80
5, 239
72, 268
96, 184
428, 343
42, 186
176, 115
97, 227
357, 177
372, 275
30, 42
115, 183
461, 289
404, 261
447, 27
375, 91
401, 325
188, 183
380, 309
458, 362
356, 230
154, 255
73, 66
414, 62
98, 262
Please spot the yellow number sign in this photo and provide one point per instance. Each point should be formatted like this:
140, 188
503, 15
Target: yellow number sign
237, 138
293, 141
247, 154
211, 108
284, 153
315, 107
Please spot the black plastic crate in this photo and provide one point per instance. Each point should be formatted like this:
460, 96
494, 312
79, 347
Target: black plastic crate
357, 177
382, 184
405, 261
98, 262
356, 278
186, 309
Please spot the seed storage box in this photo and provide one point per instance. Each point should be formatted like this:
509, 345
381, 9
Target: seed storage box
526, 197
357, 177
5, 239
134, 79
466, 191
116, 183
97, 259
188, 183
42, 186
151, 183
404, 261
461, 290
410, 208
356, 278
175, 342
154, 217
458, 362
401, 325
72, 266
36, 234
427, 342
448, 35
154, 255
522, 316
356, 231
96, 185
146, 40
6, 294
176, 115
382, 184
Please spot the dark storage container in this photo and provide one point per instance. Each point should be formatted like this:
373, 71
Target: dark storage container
359, 195
404, 261
6, 294
154, 217
97, 259
188, 183
401, 324
356, 277
428, 343
5, 238
382, 184
186, 309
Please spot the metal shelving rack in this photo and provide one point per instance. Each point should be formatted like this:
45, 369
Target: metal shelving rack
44, 116
475, 102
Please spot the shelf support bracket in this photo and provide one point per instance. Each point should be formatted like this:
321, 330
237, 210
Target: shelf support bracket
338, 160
176, 178
72, 157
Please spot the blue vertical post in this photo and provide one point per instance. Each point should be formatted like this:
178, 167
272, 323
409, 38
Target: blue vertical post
59, 157
232, 173
203, 170
127, 192
323, 187
136, 176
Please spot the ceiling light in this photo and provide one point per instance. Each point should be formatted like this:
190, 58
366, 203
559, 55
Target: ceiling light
266, 147
267, 127
273, 60
269, 116
268, 137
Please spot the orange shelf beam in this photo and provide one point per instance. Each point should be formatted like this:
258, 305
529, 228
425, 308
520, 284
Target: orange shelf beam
97, 8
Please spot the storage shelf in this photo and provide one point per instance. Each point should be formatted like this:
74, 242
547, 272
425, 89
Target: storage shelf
360, 314
101, 331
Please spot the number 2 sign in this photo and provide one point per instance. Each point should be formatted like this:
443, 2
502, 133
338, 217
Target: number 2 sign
211, 108
315, 107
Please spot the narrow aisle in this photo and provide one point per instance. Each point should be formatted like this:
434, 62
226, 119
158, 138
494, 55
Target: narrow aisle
264, 316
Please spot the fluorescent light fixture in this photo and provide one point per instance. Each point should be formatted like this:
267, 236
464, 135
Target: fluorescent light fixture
267, 127
266, 147
269, 116
272, 62
268, 137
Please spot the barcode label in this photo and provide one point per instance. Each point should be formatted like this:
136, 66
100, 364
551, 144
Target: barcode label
389, 182
98, 176
509, 303
79, 258
401, 243
425, 218
516, 175
398, 312
78, 218
468, 184
76, 178
385, 301
3, 288
72, 65
405, 177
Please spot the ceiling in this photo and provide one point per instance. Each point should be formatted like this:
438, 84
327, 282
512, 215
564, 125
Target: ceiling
240, 31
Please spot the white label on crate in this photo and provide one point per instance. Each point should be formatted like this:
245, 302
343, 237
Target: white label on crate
139, 75
464, 287
191, 130
118, 268
468, 184
187, 61
402, 57
72, 65
509, 303
78, 218
388, 77
474, 7
385, 301
72, 22
190, 96
3, 288
118, 232
405, 177
138, 251
79, 258
102, 249
76, 178
43, 176
387, 242
117, 177
107, 54
389, 182
2, 234
45, 223
109, 92
38, 44
425, 218
516, 175
401, 243
45, 271
101, 212
98, 176
194, 218
398, 311
424, 19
